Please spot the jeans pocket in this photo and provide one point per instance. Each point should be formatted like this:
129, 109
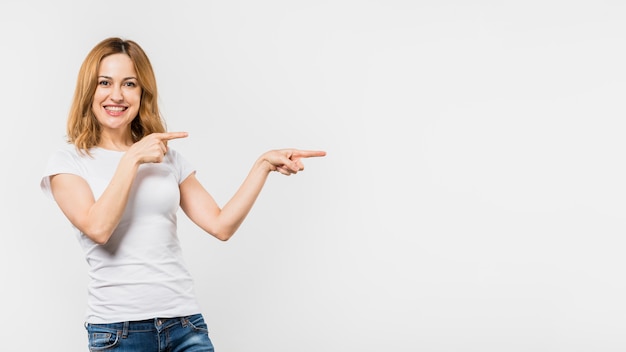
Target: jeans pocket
198, 324
101, 339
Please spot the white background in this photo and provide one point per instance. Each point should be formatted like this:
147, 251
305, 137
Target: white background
472, 198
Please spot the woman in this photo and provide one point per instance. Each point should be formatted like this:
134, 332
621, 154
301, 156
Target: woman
120, 186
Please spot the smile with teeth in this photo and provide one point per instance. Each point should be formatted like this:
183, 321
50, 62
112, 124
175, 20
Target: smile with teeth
115, 108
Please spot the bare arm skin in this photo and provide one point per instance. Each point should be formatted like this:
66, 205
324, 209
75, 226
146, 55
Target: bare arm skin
98, 218
222, 223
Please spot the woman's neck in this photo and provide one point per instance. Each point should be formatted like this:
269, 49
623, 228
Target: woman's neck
115, 142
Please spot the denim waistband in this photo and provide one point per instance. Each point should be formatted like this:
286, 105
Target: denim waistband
155, 324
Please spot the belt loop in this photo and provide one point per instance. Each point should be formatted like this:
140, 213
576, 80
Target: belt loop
125, 330
184, 321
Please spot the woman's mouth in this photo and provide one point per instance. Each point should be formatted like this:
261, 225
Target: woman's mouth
115, 110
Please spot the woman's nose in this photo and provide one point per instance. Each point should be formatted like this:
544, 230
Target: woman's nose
117, 93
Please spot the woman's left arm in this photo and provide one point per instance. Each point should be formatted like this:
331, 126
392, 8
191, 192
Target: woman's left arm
222, 223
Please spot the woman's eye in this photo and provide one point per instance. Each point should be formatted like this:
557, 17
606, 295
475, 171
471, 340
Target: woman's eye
103, 83
130, 84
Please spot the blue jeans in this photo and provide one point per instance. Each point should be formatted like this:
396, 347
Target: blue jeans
185, 334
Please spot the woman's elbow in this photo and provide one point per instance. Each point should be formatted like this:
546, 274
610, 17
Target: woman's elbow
100, 237
221, 231
223, 236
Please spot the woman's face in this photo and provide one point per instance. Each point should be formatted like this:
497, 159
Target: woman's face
118, 95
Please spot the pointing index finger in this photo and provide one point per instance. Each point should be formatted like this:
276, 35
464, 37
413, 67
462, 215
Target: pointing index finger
308, 153
166, 136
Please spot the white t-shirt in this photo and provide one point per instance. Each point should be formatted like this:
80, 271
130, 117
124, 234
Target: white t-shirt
140, 272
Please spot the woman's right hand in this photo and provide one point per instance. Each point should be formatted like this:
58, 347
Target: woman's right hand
153, 147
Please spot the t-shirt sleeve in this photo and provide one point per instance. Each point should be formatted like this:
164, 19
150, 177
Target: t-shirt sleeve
183, 168
62, 161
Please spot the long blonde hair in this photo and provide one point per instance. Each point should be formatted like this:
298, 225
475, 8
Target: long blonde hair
83, 130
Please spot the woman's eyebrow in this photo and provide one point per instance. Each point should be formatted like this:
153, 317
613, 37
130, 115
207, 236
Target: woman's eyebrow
123, 79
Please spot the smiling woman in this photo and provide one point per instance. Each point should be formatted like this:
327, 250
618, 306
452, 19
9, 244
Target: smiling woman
114, 62
116, 100
105, 182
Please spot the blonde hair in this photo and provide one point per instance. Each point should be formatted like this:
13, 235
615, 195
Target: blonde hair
83, 130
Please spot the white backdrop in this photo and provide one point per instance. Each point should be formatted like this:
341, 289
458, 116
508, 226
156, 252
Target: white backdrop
472, 198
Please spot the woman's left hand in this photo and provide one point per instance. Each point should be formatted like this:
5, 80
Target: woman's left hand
289, 161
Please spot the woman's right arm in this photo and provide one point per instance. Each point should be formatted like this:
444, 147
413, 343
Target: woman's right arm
96, 219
